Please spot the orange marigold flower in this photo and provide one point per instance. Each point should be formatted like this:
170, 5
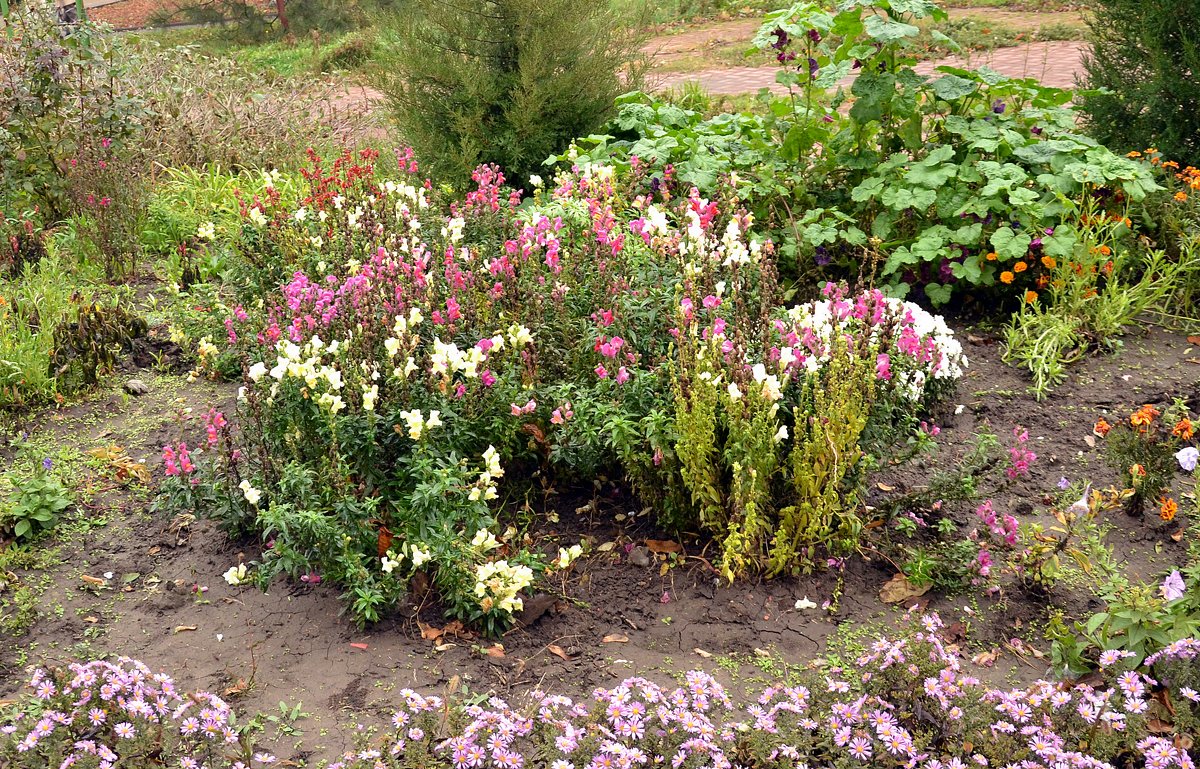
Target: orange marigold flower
1181, 196
1104, 250
1137, 472
1144, 416
1170, 164
991, 257
1049, 262
1167, 508
1184, 429
1133, 154
1101, 427
1006, 277
1020, 267
1030, 297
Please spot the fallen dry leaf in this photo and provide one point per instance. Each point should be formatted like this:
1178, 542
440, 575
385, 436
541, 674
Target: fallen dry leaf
615, 638
987, 659
443, 647
358, 646
898, 589
184, 628
90, 620
606, 547
558, 651
1194, 339
495, 650
1177, 536
429, 632
702, 653
1090, 440
93, 580
663, 546
1158, 726
237, 688
885, 487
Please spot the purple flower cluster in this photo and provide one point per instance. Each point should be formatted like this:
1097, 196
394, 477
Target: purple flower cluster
903, 703
106, 715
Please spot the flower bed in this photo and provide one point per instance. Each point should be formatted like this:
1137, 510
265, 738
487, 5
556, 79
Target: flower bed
420, 348
903, 700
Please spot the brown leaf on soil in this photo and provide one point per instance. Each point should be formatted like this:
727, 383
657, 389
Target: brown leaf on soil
1194, 339
184, 628
1177, 536
558, 651
495, 650
898, 589
663, 546
93, 580
241, 686
1159, 726
1184, 741
615, 638
987, 659
361, 646
702, 653
453, 629
885, 487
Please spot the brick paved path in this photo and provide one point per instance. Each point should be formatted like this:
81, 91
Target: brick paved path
1055, 64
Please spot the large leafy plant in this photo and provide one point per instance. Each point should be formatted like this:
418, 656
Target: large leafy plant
939, 182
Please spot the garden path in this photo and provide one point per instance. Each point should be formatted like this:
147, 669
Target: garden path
1054, 63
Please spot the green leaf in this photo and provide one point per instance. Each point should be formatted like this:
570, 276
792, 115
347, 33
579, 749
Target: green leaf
938, 294
1009, 245
886, 30
953, 87
867, 190
899, 258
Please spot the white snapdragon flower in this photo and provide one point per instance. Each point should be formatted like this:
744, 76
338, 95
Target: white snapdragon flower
251, 494
236, 575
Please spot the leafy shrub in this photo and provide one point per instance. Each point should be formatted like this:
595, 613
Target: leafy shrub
89, 344
32, 304
60, 92
503, 81
1139, 51
1142, 449
210, 111
840, 377
1089, 296
247, 20
22, 243
107, 192
941, 183
36, 504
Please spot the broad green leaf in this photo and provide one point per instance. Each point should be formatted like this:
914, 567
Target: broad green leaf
953, 87
1009, 245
